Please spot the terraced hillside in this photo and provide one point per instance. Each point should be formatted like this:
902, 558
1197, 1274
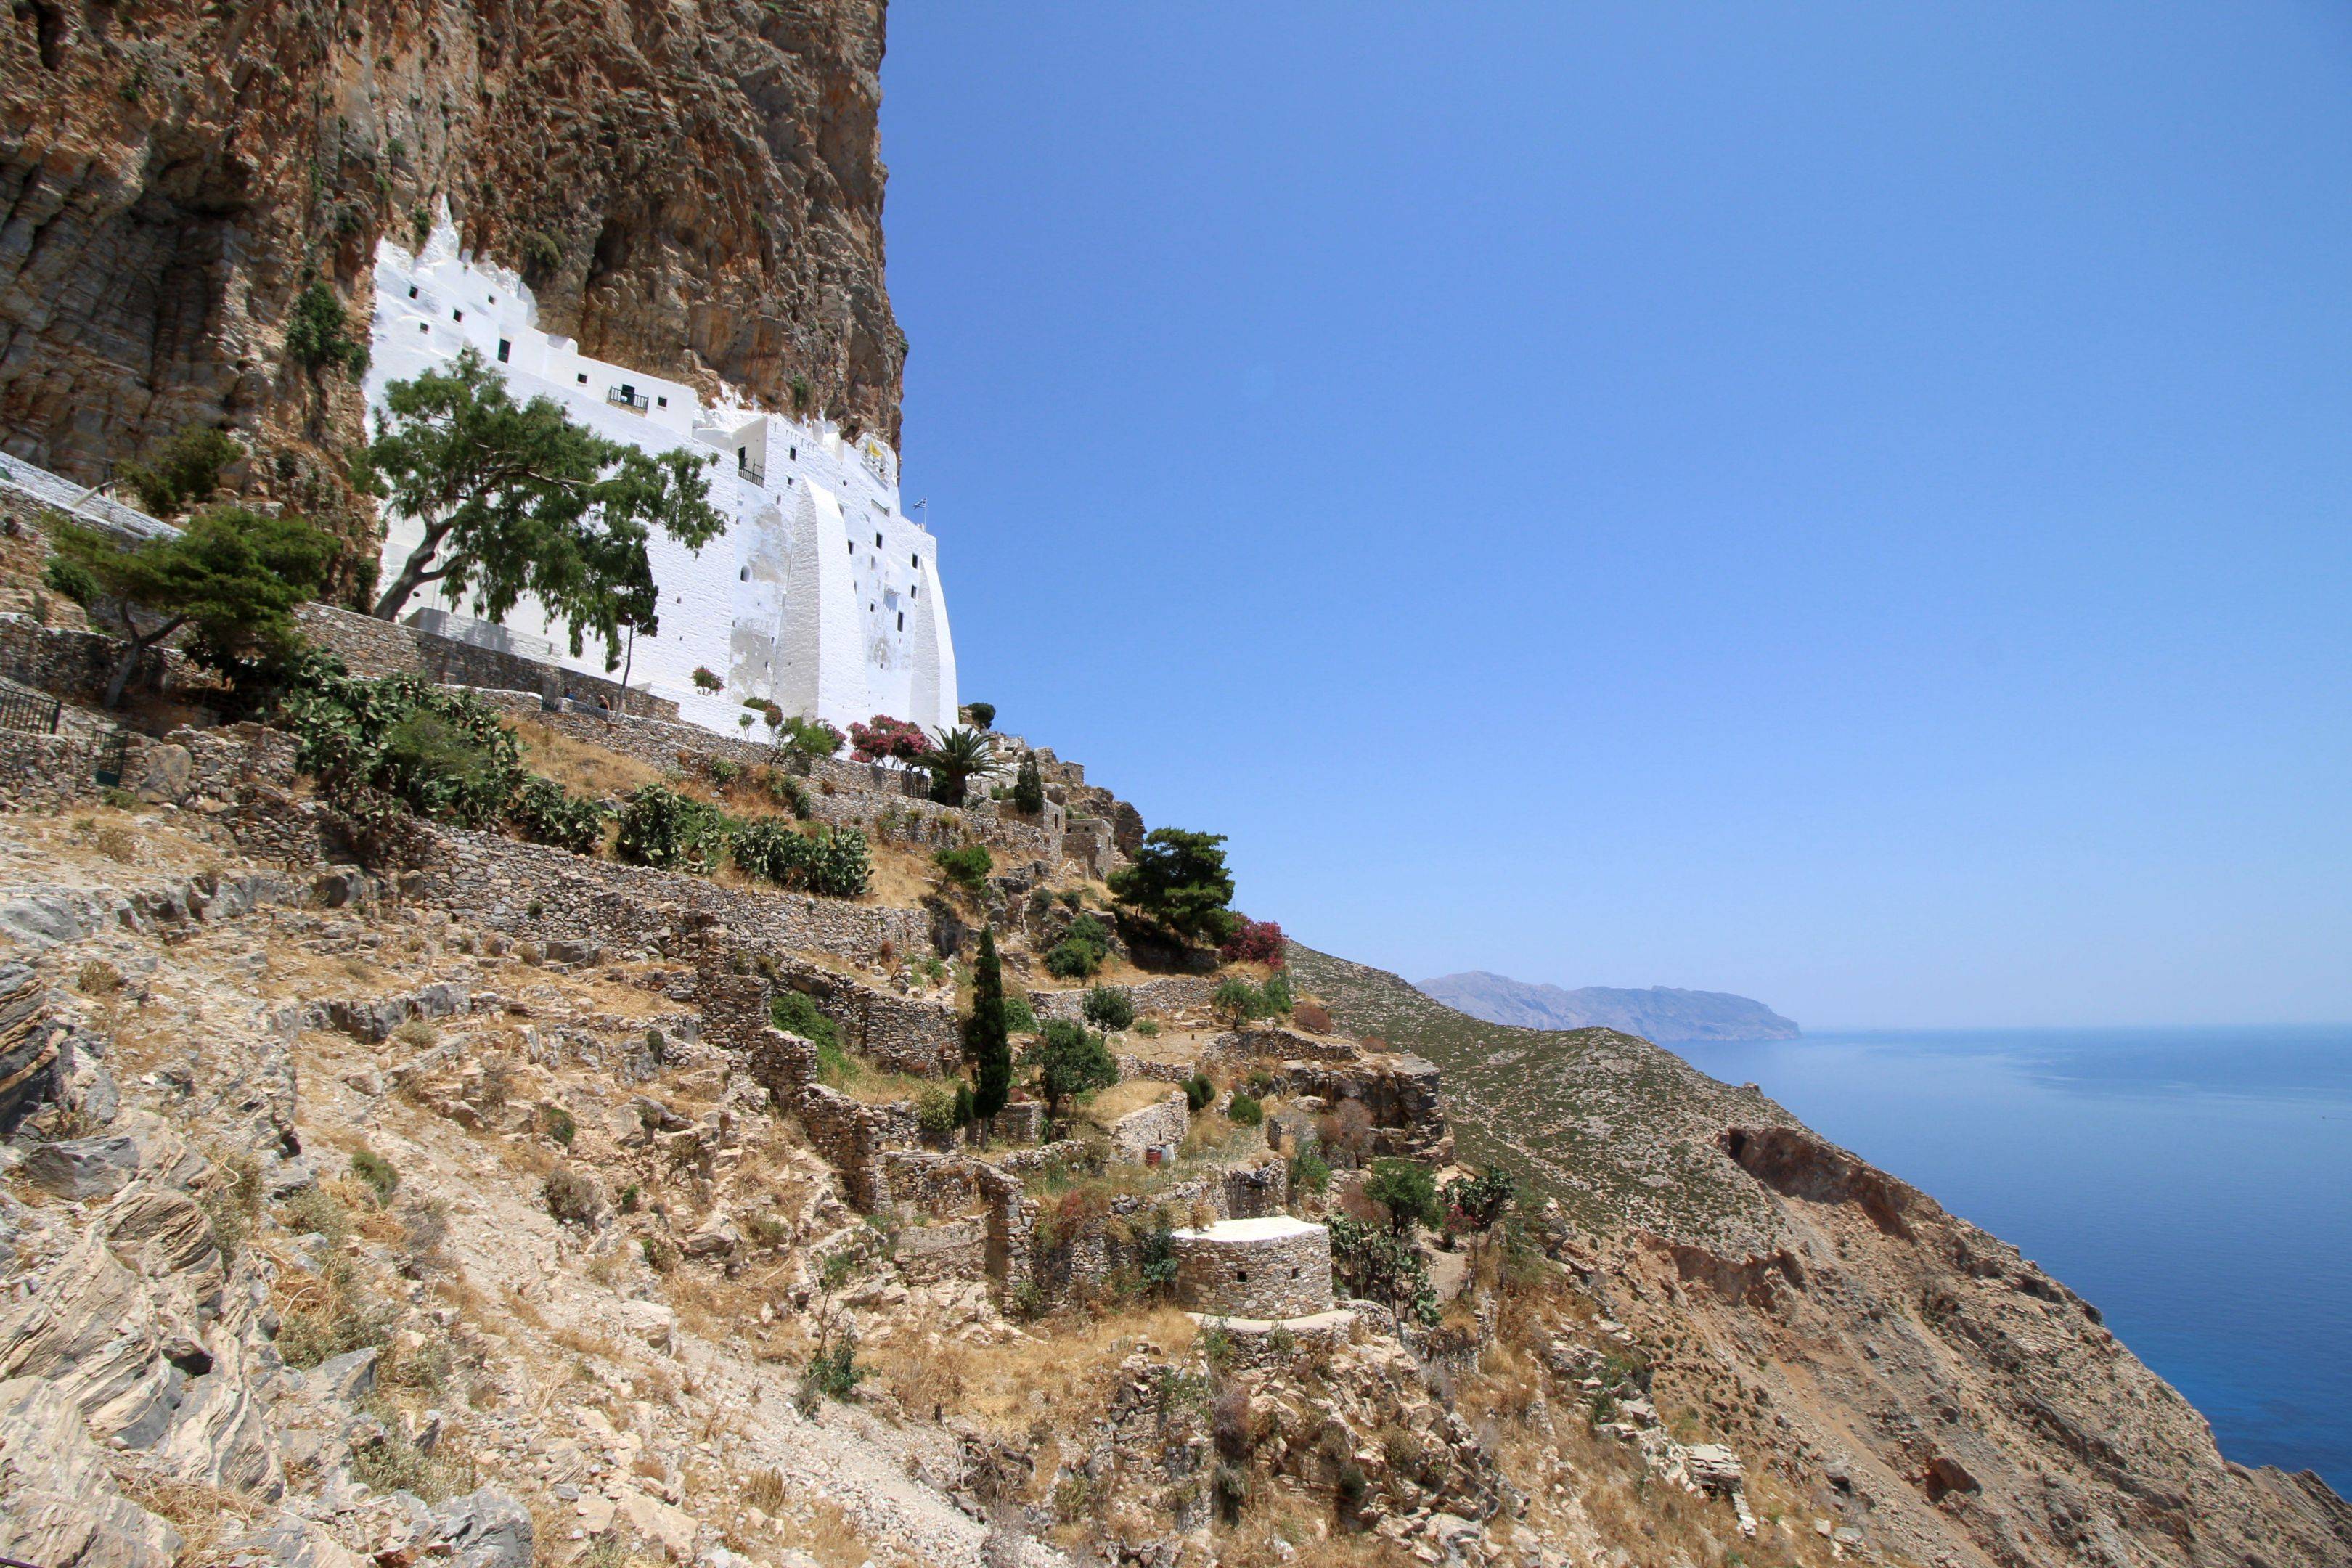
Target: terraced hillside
1624, 1133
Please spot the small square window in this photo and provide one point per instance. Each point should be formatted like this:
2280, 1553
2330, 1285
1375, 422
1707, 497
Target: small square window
424, 326
582, 379
412, 290
456, 315
661, 403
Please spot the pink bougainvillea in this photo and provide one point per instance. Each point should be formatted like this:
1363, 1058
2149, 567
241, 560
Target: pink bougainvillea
1254, 941
883, 736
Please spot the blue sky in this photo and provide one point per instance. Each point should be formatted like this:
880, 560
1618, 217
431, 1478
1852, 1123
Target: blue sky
1845, 504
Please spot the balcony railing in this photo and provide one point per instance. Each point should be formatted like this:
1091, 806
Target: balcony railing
628, 397
755, 472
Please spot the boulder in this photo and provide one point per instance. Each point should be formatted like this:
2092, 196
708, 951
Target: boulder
345, 1379
1713, 1467
484, 1529
650, 1321
84, 1167
58, 1502
164, 774
657, 1523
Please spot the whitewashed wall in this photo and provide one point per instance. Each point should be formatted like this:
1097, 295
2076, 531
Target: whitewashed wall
821, 595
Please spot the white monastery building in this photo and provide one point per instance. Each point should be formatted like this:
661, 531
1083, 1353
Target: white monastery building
821, 596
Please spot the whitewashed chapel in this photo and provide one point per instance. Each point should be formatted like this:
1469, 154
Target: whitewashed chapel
821, 596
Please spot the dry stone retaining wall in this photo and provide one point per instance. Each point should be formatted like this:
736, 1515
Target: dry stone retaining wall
1158, 1126
535, 890
370, 647
1166, 994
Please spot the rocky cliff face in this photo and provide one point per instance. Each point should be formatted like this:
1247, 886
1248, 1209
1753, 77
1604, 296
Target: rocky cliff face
695, 188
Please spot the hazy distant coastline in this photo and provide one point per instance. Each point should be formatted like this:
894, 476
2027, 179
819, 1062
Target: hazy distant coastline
1659, 1013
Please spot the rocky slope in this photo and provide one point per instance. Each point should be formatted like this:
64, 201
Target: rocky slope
696, 189
1656, 1013
1941, 1392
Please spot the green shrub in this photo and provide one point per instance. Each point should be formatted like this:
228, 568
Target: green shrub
1081, 952
1377, 1266
376, 1171
1070, 1061
789, 793
833, 1374
438, 765
401, 743
1309, 1171
963, 1115
1276, 995
1108, 1007
542, 256
935, 1113
796, 1013
670, 831
979, 715
841, 867
1237, 1002
560, 1125
767, 849
704, 680
318, 333
1199, 1091
1020, 1019
967, 865
547, 813
1148, 1028
1243, 1110
185, 472
1406, 1189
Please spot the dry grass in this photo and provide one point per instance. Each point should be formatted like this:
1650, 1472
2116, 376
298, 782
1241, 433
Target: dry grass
1125, 1099
1061, 1373
203, 1515
579, 766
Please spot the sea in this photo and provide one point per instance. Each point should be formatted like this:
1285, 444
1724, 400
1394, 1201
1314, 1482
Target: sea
2194, 1184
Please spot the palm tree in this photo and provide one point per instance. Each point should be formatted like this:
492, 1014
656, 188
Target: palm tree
956, 758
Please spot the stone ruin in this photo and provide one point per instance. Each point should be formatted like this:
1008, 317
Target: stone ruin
1272, 1269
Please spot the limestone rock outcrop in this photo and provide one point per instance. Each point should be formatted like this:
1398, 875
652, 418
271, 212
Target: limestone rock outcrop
698, 192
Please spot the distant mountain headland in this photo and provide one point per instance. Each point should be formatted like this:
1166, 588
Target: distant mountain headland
1660, 1013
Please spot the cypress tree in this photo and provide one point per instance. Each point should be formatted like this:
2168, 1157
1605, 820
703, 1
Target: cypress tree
987, 1041
1028, 787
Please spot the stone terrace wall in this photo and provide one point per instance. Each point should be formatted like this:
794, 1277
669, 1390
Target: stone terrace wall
904, 1034
372, 647
76, 665
1156, 1126
536, 892
838, 792
1166, 995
